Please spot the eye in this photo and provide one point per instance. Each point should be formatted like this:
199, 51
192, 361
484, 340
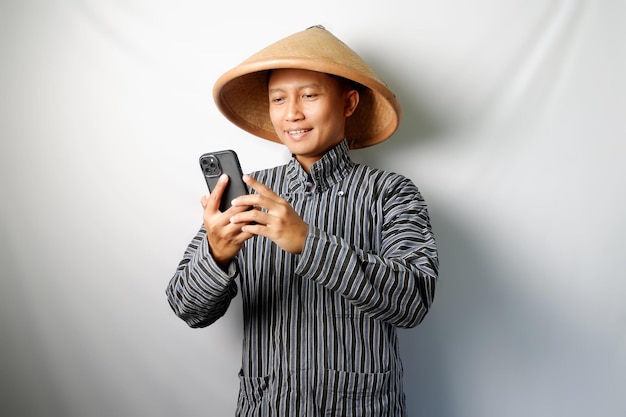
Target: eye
276, 100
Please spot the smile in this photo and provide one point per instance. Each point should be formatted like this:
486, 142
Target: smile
298, 132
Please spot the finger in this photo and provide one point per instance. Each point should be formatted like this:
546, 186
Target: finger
235, 209
259, 187
221, 219
215, 196
264, 196
250, 216
252, 200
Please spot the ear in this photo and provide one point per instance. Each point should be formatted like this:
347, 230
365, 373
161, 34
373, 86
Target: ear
351, 101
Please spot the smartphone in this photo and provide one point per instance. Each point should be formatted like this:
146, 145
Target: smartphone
214, 164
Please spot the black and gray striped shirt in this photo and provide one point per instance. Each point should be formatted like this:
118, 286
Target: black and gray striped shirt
319, 336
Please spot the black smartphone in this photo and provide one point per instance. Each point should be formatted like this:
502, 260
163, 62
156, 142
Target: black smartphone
214, 164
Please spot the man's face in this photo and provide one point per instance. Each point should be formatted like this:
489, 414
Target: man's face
308, 110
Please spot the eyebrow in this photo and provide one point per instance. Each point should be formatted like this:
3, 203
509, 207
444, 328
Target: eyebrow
311, 85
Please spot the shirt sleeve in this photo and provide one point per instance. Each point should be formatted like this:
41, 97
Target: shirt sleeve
397, 283
200, 291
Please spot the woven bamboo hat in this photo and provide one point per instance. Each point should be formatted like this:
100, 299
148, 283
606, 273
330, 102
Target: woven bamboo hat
241, 93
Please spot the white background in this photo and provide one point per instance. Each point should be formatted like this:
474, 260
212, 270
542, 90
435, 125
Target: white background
513, 128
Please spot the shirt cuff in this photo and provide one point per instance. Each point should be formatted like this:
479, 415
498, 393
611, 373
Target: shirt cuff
206, 259
310, 249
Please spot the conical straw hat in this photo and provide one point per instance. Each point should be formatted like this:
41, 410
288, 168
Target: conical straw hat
241, 93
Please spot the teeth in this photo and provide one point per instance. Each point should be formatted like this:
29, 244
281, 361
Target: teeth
297, 132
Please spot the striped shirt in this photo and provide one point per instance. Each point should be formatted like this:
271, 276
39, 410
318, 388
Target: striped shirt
319, 331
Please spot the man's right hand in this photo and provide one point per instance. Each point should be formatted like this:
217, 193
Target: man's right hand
225, 238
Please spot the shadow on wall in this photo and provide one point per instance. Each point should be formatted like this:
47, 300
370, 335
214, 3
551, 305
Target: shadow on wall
429, 371
420, 122
494, 345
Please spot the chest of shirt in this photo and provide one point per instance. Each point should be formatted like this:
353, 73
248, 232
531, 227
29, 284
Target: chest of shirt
349, 214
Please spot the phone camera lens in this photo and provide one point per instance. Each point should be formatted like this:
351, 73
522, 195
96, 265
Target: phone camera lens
211, 166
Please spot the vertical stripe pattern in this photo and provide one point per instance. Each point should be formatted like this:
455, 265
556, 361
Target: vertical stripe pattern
320, 327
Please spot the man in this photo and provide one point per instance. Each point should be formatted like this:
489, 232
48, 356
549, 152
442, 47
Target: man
333, 257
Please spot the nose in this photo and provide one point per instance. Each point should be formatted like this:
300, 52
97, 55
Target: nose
293, 112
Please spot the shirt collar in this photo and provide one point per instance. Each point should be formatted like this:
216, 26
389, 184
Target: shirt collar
326, 172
